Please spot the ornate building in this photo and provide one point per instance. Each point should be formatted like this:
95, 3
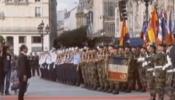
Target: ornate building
19, 20
82, 13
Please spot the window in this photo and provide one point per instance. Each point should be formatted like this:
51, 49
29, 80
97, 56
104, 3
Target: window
109, 27
22, 1
37, 0
22, 39
109, 8
16, 2
37, 11
36, 39
2, 16
9, 1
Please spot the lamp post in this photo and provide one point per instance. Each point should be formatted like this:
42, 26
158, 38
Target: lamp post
43, 31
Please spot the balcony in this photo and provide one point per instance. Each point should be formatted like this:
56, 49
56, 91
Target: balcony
10, 30
16, 2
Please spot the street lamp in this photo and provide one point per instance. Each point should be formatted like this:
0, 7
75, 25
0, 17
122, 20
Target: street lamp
43, 32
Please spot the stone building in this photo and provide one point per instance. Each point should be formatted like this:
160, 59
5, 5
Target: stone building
19, 20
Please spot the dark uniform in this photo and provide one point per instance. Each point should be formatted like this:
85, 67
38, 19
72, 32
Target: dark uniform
1, 75
23, 74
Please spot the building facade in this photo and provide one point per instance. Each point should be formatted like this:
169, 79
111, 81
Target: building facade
60, 21
70, 21
104, 18
84, 7
19, 20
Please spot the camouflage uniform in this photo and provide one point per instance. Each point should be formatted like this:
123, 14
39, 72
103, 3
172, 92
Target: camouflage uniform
142, 73
128, 85
170, 83
170, 76
160, 75
149, 74
100, 64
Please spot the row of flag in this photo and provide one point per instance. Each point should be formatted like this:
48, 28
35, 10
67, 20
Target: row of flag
159, 29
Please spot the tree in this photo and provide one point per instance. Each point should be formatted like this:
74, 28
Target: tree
1, 39
77, 37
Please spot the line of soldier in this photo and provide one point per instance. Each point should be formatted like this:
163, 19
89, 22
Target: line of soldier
88, 67
158, 64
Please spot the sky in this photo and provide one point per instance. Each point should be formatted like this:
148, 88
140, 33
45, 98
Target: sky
66, 4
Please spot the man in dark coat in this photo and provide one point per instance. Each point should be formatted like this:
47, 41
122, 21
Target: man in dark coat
23, 71
7, 69
1, 70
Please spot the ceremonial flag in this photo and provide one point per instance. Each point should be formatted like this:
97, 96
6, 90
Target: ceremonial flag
124, 34
161, 31
153, 28
144, 31
169, 36
151, 35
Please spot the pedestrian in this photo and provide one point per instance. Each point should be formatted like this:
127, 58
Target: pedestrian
23, 71
7, 68
1, 70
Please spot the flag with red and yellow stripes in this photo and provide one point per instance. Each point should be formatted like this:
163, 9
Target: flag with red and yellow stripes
124, 34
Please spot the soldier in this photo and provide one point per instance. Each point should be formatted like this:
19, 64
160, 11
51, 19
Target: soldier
127, 86
105, 80
159, 73
142, 71
149, 65
100, 66
171, 72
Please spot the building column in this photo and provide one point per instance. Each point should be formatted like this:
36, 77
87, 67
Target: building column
46, 42
29, 43
16, 44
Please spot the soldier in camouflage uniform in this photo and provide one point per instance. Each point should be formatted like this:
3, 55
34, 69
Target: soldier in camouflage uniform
128, 85
159, 73
170, 77
100, 64
133, 71
142, 71
149, 65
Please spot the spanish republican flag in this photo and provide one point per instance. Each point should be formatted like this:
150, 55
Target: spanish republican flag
155, 22
124, 34
153, 27
151, 35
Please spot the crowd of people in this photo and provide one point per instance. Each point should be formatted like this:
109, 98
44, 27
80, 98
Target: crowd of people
149, 68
